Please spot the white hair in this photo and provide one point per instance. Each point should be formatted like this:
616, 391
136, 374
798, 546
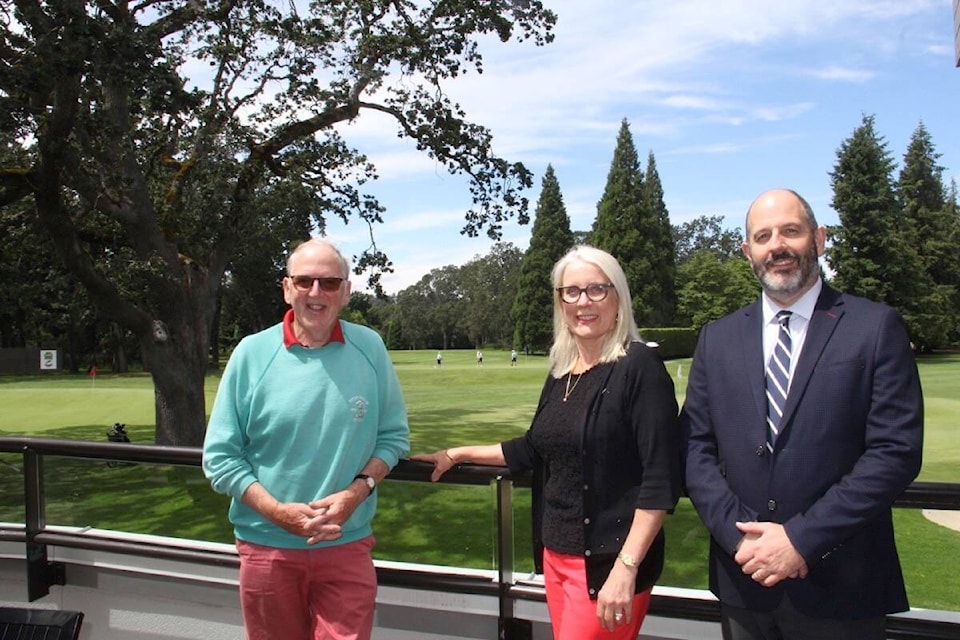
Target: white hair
563, 353
322, 242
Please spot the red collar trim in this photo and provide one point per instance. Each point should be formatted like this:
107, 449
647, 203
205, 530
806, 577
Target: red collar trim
290, 338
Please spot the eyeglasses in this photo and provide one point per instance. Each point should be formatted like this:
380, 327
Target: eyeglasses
305, 283
595, 292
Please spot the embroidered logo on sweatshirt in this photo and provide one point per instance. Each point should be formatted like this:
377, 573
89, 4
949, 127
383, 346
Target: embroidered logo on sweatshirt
358, 407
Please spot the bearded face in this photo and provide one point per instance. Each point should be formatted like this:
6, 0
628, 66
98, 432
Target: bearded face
783, 244
785, 273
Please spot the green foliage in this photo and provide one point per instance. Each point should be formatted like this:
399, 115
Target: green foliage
457, 307
632, 224
871, 254
551, 238
934, 230
896, 242
43, 305
490, 286
618, 227
709, 287
156, 186
661, 293
431, 311
706, 233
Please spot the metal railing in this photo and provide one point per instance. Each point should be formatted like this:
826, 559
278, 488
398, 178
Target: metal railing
42, 573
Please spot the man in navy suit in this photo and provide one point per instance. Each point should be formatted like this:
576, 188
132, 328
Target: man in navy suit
795, 477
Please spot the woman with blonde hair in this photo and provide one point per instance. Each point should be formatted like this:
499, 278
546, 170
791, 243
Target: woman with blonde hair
604, 450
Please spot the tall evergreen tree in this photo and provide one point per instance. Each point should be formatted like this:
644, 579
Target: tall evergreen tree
931, 228
550, 239
663, 296
952, 207
632, 232
871, 253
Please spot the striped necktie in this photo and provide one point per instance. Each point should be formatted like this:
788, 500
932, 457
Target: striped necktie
778, 378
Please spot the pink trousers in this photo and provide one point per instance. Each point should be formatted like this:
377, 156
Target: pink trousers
326, 593
573, 615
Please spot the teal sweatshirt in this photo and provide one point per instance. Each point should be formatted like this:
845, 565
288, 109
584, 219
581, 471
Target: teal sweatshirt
303, 422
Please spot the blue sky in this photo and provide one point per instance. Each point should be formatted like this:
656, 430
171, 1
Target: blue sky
733, 97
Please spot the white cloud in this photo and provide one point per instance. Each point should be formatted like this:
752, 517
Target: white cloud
731, 96
841, 74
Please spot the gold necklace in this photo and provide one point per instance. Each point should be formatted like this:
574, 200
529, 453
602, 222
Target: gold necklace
569, 389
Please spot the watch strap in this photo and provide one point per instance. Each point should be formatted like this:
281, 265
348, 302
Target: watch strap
368, 480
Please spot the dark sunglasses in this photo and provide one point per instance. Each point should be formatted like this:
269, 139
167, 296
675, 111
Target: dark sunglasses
305, 283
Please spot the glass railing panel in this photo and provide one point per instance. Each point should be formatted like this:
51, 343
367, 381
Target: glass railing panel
11, 487
443, 524
930, 558
156, 499
687, 547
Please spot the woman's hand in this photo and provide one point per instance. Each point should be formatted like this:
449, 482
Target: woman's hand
615, 600
442, 462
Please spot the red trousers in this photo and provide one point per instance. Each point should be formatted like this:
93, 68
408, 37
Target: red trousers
326, 593
573, 615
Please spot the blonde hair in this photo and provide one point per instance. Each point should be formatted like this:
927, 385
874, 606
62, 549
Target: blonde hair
564, 353
322, 242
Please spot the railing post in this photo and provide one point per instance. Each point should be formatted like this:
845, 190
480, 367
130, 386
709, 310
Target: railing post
510, 628
41, 573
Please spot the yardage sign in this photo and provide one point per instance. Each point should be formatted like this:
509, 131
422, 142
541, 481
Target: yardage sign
48, 359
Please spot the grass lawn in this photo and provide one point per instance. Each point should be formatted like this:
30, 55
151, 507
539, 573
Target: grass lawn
456, 403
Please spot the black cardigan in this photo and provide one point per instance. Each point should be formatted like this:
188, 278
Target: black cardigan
631, 460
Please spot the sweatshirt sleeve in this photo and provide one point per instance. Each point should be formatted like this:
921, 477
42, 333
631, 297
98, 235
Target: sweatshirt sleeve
393, 434
224, 461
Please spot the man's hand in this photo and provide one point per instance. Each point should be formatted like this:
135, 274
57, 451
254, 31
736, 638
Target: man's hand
332, 511
311, 521
304, 520
766, 554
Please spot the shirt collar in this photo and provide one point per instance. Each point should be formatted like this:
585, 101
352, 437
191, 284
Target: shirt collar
290, 337
803, 307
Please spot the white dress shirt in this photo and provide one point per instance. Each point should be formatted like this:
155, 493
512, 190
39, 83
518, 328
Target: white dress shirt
802, 312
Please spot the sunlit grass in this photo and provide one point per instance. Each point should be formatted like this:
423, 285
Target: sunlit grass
453, 404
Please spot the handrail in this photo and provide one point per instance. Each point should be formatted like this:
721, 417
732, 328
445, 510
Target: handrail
42, 574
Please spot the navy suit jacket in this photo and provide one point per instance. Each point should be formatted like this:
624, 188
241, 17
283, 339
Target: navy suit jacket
850, 443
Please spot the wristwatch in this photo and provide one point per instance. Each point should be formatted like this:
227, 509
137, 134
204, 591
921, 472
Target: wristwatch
369, 481
627, 559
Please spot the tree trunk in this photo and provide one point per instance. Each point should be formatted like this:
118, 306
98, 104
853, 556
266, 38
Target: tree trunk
214, 359
178, 364
118, 357
177, 353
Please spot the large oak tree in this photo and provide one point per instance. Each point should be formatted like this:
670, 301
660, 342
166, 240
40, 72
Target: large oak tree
158, 132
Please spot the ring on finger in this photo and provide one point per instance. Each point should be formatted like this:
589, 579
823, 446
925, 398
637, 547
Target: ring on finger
617, 617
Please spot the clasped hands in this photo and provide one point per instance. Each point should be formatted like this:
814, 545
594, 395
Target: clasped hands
320, 520
766, 554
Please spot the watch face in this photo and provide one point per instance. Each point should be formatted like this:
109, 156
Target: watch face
367, 480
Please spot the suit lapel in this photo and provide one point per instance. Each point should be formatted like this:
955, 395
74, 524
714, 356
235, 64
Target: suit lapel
826, 315
751, 336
